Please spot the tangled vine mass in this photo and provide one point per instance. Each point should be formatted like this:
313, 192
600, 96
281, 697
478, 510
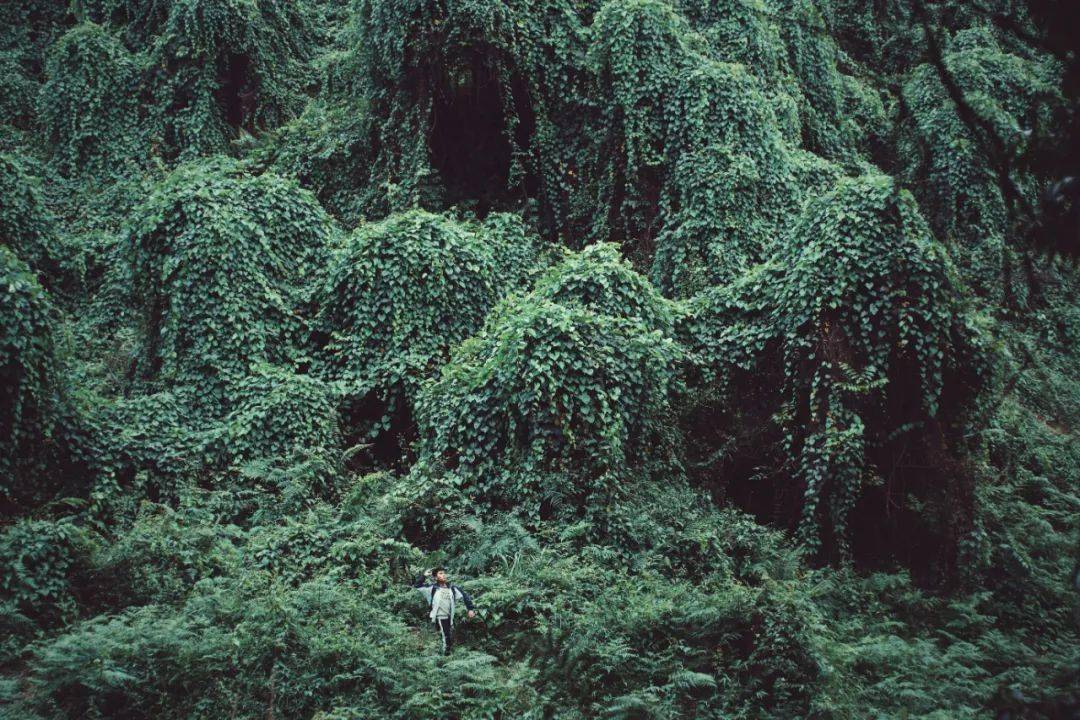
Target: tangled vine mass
726, 350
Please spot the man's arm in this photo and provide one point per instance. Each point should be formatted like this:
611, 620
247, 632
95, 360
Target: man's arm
421, 585
468, 600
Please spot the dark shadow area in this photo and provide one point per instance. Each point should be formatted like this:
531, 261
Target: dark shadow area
391, 448
731, 450
915, 518
468, 141
236, 93
525, 128
925, 503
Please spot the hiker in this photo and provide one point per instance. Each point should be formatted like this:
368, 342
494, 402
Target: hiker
443, 598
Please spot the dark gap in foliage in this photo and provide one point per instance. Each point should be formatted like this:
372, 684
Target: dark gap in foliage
888, 529
917, 468
885, 528
914, 518
172, 140
547, 509
526, 127
1058, 228
634, 209
148, 363
769, 497
731, 456
643, 247
468, 142
236, 93
40, 29
390, 446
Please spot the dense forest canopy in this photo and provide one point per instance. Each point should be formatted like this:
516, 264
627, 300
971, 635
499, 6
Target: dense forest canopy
725, 350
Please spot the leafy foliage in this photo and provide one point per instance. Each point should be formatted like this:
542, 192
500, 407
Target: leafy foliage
402, 292
219, 258
554, 408
41, 562
712, 346
88, 103
32, 384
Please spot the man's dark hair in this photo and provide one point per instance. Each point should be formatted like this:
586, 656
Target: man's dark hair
436, 571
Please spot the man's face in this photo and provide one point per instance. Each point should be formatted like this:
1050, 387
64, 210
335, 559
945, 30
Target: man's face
440, 576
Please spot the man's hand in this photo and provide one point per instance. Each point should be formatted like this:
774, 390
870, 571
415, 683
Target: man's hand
472, 614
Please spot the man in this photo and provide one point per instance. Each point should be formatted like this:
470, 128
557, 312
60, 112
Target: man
443, 599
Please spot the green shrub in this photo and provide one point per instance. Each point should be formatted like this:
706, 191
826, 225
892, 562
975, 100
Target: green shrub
31, 402
17, 93
89, 102
403, 291
233, 645
552, 409
220, 258
162, 556
42, 564
599, 279
855, 335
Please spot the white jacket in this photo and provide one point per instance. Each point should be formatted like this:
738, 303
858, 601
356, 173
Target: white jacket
456, 595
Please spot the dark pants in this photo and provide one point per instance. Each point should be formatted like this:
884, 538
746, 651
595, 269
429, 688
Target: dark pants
446, 630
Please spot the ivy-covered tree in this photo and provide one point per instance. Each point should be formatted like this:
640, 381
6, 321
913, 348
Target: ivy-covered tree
31, 402
27, 226
219, 258
218, 68
555, 409
468, 103
399, 294
88, 104
962, 193
870, 320
856, 344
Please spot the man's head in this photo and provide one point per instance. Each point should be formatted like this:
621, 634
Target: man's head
439, 575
